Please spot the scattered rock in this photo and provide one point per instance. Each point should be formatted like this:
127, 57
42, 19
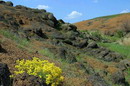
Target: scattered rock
124, 64
84, 66
88, 69
103, 53
81, 43
28, 80
57, 35
2, 50
67, 41
119, 78
41, 34
113, 56
4, 75
68, 56
62, 39
92, 45
97, 80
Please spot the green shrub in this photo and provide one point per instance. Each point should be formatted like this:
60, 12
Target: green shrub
101, 36
119, 33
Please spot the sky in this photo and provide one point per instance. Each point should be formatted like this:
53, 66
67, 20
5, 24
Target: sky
73, 11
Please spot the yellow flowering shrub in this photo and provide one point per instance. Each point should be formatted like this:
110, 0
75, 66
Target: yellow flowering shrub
41, 68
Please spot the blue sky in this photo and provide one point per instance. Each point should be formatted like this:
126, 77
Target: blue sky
78, 10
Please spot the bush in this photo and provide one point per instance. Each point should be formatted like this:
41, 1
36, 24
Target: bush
119, 33
42, 68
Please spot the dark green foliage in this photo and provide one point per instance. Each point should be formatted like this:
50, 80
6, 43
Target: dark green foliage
119, 33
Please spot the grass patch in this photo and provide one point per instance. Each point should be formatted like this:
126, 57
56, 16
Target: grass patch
128, 76
20, 41
101, 36
122, 49
111, 38
47, 53
110, 16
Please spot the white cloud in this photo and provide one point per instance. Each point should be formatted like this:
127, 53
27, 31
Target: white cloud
73, 15
95, 1
125, 11
43, 7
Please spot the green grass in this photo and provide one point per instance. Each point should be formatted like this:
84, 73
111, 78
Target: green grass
128, 76
96, 33
122, 49
110, 16
47, 53
111, 38
20, 41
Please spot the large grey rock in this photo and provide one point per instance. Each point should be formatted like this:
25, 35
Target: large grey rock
9, 3
68, 27
2, 2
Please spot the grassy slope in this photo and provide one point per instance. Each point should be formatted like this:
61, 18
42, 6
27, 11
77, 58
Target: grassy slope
71, 72
122, 49
104, 23
110, 16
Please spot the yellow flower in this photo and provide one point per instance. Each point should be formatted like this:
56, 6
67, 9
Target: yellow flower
41, 68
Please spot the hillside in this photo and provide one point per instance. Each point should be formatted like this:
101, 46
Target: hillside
82, 58
106, 24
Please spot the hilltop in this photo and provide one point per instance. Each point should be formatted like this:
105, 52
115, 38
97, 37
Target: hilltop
84, 58
107, 24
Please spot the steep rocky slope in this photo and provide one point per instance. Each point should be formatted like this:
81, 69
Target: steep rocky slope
26, 32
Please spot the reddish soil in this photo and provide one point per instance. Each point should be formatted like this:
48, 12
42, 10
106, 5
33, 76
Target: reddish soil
104, 24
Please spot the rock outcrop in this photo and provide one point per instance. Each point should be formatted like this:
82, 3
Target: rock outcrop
60, 38
41, 25
4, 75
2, 50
